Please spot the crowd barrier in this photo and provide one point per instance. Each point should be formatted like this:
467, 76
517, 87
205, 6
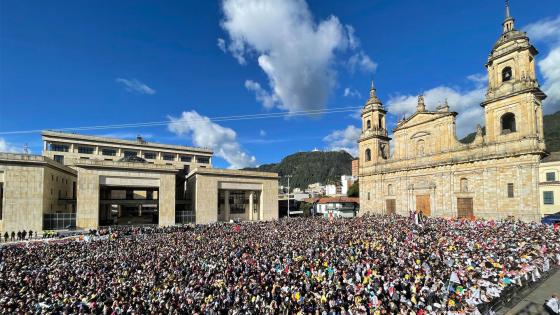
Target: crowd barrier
515, 293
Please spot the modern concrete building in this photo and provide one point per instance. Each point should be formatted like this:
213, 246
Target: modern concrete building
549, 184
89, 181
34, 188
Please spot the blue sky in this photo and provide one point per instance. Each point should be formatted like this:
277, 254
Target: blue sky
88, 63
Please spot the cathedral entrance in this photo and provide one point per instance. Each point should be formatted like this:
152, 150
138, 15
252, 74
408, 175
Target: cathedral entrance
390, 205
423, 204
464, 207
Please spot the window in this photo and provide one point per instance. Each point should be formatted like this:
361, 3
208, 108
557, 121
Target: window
168, 157
380, 122
464, 184
85, 150
508, 123
202, 160
237, 202
510, 190
368, 195
130, 153
84, 158
548, 197
150, 155
550, 176
390, 189
59, 147
59, 159
420, 147
109, 152
506, 74
368, 155
368, 124
185, 158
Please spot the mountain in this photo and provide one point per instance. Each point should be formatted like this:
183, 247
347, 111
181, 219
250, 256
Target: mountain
551, 126
310, 167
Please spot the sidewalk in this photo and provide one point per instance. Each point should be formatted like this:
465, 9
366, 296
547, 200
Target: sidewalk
534, 301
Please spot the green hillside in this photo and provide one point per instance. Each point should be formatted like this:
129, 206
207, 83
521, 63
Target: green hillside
310, 167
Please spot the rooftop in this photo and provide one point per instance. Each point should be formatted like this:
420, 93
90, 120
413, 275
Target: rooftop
138, 142
228, 172
20, 158
553, 157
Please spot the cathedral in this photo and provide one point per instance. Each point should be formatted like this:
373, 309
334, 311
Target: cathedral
426, 168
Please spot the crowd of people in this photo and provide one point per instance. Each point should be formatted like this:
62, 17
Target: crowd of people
366, 265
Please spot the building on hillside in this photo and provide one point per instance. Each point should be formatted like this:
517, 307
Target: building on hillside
355, 167
119, 182
334, 189
549, 184
495, 176
346, 181
338, 207
316, 189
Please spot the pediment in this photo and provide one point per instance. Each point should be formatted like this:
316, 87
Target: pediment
421, 117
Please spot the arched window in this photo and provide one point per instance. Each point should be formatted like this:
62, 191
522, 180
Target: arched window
506, 74
368, 124
390, 189
464, 185
420, 147
508, 123
368, 155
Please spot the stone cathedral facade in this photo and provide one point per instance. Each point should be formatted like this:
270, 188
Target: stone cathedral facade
495, 176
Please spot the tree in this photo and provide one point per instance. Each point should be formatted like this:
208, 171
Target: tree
306, 208
354, 190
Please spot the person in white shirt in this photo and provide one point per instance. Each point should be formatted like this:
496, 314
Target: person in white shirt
552, 305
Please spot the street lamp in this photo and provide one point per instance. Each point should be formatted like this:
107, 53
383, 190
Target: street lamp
288, 177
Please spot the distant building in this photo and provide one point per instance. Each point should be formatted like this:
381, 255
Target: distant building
344, 207
355, 167
549, 183
347, 181
316, 189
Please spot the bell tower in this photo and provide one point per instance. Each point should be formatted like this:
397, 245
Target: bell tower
374, 142
513, 104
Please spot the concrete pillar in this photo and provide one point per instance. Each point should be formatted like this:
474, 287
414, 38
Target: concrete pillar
251, 205
226, 205
72, 148
87, 215
45, 145
139, 210
167, 200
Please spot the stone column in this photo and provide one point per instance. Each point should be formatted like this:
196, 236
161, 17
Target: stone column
226, 205
251, 195
166, 200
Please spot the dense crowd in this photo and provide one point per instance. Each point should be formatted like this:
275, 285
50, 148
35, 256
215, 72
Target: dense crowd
366, 265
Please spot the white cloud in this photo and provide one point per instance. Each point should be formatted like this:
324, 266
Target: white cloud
545, 29
548, 31
345, 139
266, 99
205, 133
296, 53
550, 68
350, 92
134, 85
466, 103
362, 62
479, 79
222, 44
9, 147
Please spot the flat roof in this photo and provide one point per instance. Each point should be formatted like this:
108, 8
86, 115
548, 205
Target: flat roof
32, 159
233, 173
76, 136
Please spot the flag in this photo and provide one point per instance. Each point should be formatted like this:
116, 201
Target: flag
454, 278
